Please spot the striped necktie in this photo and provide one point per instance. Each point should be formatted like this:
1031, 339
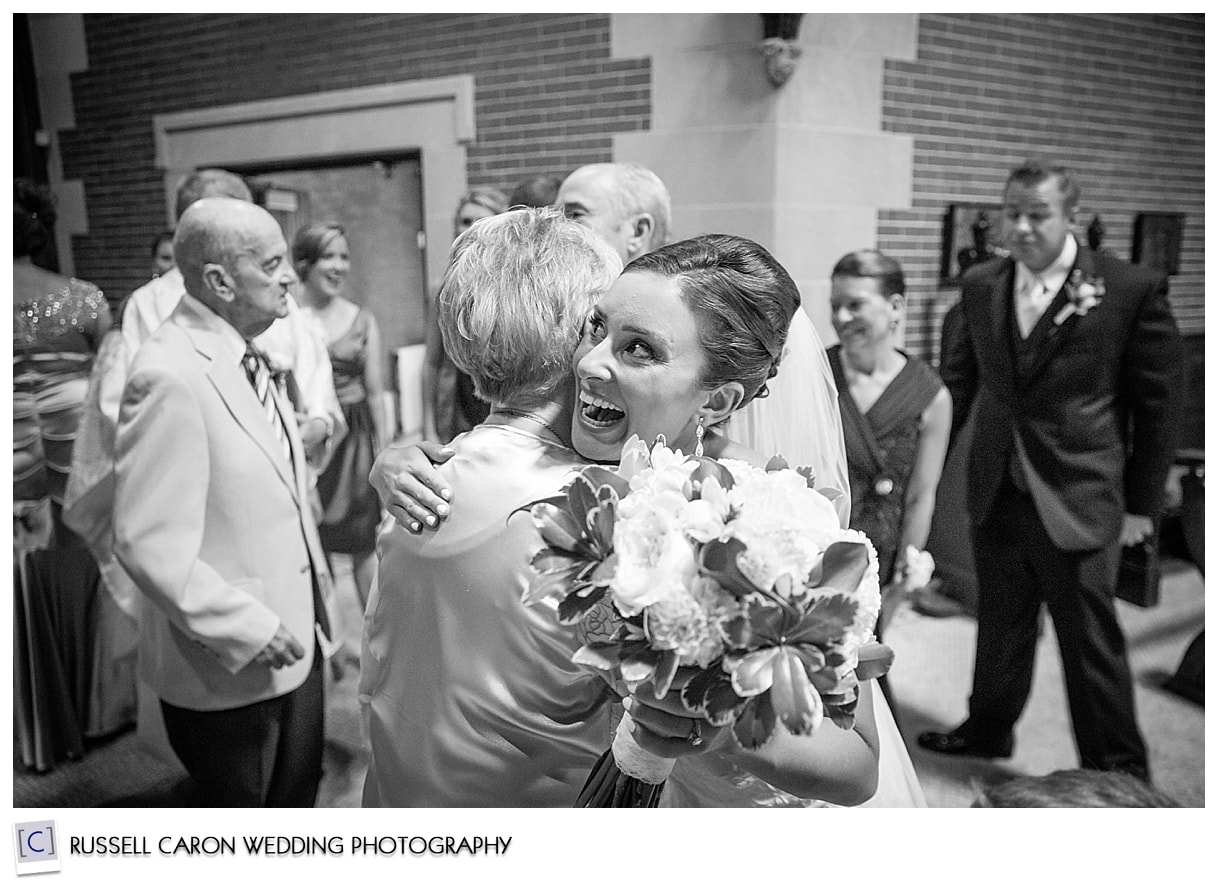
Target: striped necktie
259, 375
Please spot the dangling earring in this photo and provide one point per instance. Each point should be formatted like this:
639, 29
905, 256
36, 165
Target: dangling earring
698, 433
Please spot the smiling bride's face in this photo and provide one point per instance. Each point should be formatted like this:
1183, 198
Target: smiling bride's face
638, 368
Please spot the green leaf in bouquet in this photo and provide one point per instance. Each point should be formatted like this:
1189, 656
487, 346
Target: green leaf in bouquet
718, 559
639, 660
809, 476
558, 528
830, 493
578, 603
603, 656
875, 659
737, 633
841, 568
592, 502
777, 463
600, 520
555, 582
553, 560
665, 671
842, 702
756, 723
822, 623
710, 692
600, 476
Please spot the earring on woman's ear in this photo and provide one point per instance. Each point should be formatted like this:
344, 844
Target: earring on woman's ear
698, 433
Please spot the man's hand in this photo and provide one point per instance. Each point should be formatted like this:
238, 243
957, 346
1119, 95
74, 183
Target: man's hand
409, 486
1135, 528
283, 650
314, 432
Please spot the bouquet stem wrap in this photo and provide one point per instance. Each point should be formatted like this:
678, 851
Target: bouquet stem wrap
626, 775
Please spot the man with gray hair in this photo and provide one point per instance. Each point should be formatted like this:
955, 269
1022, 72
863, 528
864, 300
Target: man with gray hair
625, 203
290, 344
213, 524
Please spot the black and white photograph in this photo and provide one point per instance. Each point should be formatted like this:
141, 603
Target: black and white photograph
513, 410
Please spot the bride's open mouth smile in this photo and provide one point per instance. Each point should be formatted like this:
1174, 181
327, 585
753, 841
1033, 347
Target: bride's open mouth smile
598, 413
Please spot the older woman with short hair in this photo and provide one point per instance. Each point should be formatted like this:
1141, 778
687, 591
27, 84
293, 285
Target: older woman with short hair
471, 697
450, 405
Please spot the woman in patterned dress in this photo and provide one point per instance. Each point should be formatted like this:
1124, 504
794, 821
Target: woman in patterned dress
896, 413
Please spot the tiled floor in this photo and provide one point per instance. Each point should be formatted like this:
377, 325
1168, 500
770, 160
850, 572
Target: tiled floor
931, 682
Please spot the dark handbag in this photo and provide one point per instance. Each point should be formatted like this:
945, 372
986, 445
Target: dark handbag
1138, 576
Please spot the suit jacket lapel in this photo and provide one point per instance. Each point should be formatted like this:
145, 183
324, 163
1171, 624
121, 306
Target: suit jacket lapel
229, 380
1047, 336
1002, 293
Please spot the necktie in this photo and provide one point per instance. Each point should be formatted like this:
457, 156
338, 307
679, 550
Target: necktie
259, 375
1031, 305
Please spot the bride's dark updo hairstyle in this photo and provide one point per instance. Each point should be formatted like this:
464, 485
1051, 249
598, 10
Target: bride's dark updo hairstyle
742, 300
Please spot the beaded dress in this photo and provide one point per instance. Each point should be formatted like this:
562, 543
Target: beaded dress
55, 334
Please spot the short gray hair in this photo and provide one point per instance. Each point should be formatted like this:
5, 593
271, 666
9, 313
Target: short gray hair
210, 182
640, 190
514, 299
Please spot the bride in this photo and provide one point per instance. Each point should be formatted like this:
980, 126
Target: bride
683, 339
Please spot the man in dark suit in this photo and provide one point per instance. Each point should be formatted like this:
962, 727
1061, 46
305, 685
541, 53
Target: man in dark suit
1075, 364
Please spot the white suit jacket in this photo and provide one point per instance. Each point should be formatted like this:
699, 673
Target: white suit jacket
211, 520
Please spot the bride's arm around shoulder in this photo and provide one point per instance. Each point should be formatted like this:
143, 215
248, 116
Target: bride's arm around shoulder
835, 765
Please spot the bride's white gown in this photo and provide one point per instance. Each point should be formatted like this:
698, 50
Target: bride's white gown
800, 418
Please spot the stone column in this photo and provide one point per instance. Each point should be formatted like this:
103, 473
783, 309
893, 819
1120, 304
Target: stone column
802, 168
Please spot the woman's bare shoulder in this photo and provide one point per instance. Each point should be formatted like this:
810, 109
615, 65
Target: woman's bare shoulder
727, 449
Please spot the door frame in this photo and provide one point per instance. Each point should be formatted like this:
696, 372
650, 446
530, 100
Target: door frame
433, 117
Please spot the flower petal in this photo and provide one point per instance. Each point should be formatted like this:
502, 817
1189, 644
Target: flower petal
796, 703
557, 527
753, 674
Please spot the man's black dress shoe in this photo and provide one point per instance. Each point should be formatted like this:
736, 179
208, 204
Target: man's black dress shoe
954, 743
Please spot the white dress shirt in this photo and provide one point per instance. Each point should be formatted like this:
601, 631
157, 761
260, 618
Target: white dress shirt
1035, 291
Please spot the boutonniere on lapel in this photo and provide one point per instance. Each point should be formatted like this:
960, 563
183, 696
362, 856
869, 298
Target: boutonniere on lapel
1084, 294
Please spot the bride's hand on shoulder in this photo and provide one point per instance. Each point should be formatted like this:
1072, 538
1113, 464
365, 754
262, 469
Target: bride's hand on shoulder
410, 488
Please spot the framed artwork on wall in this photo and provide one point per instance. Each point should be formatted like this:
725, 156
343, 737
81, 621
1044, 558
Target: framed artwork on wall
971, 234
1156, 240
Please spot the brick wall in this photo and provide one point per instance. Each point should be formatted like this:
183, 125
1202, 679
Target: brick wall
1118, 97
548, 98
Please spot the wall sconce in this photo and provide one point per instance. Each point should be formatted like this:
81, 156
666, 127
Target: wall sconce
779, 46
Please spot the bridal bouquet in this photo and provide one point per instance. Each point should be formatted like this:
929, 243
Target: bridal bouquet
743, 575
